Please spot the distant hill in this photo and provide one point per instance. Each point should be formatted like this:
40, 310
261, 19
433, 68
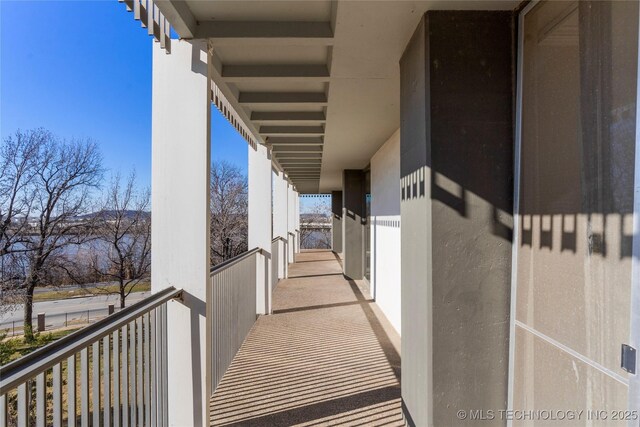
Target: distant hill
108, 213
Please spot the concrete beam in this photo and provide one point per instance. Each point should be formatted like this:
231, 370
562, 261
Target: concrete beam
290, 72
298, 155
180, 16
249, 31
280, 149
289, 98
292, 130
303, 173
301, 162
295, 140
306, 116
303, 165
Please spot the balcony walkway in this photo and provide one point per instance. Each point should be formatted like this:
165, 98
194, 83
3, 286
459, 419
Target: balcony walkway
325, 357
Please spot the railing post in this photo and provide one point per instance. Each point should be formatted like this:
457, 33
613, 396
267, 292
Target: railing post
41, 322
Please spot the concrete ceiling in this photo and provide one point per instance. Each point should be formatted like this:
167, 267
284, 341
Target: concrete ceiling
318, 81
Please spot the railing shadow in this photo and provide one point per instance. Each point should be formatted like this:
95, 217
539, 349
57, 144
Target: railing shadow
316, 364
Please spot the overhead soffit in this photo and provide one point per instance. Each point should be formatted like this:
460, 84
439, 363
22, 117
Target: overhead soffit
279, 60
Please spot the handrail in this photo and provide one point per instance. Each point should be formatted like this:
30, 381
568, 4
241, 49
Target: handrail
275, 239
30, 365
231, 261
293, 234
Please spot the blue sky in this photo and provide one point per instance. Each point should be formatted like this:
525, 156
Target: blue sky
83, 69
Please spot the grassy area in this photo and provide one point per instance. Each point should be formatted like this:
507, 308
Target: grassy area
14, 348
74, 293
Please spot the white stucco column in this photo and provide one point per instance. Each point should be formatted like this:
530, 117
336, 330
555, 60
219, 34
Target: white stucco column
280, 217
180, 204
297, 220
291, 223
259, 160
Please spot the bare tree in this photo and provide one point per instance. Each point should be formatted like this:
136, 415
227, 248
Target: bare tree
65, 174
17, 167
315, 227
121, 251
228, 212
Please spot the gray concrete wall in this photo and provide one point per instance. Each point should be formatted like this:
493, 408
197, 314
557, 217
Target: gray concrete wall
336, 224
353, 217
457, 184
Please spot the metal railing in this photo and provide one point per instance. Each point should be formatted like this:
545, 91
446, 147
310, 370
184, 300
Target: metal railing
231, 311
121, 362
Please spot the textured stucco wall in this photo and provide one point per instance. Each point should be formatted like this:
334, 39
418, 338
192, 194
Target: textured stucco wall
385, 229
457, 185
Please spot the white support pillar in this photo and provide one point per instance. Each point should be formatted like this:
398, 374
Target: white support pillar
297, 221
180, 204
259, 160
280, 217
291, 223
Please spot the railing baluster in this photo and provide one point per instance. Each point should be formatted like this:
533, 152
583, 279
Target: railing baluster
41, 402
147, 372
71, 390
57, 395
125, 377
84, 387
116, 378
23, 404
132, 372
139, 369
95, 382
152, 356
106, 380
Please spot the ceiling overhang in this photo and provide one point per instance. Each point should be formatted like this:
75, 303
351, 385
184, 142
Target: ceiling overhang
317, 81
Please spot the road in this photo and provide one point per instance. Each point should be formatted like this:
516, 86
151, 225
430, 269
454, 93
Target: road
72, 309
88, 286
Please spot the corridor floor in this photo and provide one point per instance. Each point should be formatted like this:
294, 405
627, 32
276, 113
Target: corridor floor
325, 357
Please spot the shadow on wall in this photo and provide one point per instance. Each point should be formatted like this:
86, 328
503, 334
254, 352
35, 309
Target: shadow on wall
578, 138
